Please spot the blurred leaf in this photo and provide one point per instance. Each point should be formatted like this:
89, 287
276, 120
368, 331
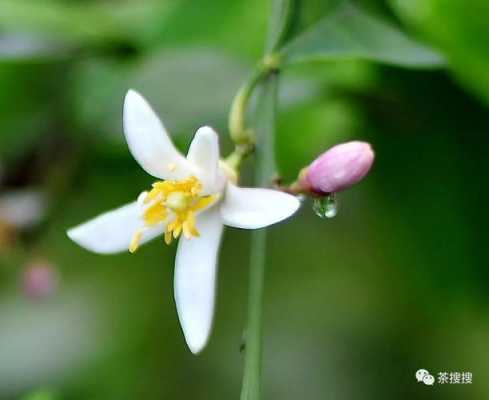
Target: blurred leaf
307, 129
350, 33
83, 24
237, 26
460, 30
352, 75
187, 87
29, 92
17, 47
42, 394
312, 11
67, 20
282, 16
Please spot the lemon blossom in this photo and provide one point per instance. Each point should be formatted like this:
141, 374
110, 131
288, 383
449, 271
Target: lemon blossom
195, 197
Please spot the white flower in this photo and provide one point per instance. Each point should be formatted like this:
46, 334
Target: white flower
196, 198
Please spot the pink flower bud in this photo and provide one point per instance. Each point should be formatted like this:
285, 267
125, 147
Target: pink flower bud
40, 280
339, 168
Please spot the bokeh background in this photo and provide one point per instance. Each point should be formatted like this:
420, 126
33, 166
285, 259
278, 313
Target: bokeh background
354, 305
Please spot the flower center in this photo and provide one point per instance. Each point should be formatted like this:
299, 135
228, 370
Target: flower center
174, 202
177, 201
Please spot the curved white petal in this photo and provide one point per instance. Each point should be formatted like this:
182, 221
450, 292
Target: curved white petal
251, 208
195, 279
113, 231
204, 153
149, 142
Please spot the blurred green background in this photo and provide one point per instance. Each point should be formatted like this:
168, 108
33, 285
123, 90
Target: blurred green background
354, 305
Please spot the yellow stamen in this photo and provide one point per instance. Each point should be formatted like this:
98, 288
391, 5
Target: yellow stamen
155, 214
189, 229
177, 230
168, 237
174, 202
135, 240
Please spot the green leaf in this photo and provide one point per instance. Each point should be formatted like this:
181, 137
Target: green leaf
280, 22
460, 31
350, 33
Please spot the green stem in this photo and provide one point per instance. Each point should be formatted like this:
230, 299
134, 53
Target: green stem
240, 134
267, 80
265, 167
281, 19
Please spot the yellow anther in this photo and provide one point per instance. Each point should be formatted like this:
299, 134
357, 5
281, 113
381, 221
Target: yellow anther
168, 237
155, 213
136, 239
176, 203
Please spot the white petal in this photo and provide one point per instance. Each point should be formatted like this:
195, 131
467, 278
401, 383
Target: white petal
195, 279
112, 232
251, 208
149, 142
204, 153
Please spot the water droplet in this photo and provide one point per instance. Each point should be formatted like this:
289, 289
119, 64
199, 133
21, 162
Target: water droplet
325, 207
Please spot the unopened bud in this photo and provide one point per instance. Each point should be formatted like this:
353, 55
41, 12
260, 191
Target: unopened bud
338, 168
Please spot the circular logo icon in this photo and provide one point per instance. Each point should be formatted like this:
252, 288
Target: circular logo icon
420, 374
